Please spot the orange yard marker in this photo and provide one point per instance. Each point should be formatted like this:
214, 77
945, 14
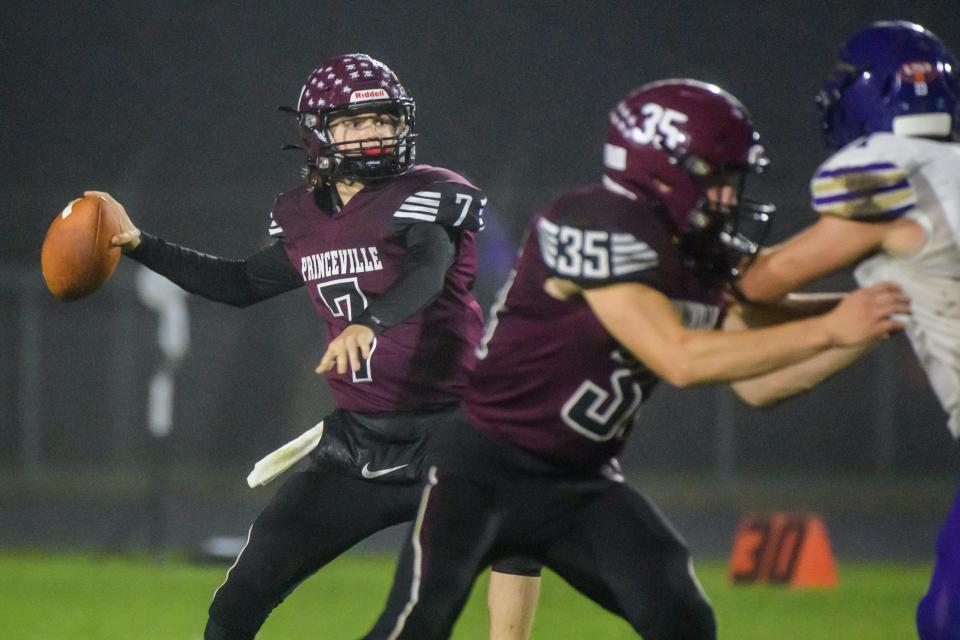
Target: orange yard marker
782, 548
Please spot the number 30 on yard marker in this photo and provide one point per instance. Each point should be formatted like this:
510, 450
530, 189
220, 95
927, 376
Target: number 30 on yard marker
782, 548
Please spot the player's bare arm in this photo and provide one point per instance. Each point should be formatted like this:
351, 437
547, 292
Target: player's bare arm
644, 321
780, 384
777, 385
793, 306
827, 246
786, 382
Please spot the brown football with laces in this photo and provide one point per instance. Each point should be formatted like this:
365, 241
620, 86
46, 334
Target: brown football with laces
77, 257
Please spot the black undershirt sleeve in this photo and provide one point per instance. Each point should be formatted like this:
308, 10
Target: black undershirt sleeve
431, 249
239, 283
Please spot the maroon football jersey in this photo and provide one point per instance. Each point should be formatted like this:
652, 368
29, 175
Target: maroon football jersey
549, 378
350, 257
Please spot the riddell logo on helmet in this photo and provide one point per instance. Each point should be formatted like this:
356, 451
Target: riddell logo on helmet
368, 94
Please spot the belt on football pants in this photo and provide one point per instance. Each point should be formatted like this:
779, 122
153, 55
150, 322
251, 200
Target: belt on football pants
276, 462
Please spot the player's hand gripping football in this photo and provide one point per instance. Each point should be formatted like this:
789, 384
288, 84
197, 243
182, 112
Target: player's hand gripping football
350, 348
129, 237
869, 313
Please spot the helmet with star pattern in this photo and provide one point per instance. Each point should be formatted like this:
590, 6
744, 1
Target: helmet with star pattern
349, 84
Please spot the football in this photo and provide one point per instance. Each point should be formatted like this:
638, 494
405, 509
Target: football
77, 257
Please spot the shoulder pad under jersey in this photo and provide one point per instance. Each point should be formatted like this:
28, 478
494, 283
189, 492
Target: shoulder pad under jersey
863, 182
453, 205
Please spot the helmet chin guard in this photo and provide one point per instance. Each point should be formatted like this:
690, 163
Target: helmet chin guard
365, 160
727, 239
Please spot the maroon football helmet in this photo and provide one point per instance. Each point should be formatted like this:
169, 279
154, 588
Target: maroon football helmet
672, 140
351, 84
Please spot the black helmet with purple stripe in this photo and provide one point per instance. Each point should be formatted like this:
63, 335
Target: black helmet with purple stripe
350, 84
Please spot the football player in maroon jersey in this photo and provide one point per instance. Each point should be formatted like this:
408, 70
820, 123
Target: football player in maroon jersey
618, 285
386, 251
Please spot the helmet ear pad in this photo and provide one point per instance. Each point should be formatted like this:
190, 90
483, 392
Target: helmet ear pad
316, 139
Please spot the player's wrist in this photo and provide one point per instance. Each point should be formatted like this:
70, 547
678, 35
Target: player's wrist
133, 242
371, 322
833, 330
138, 246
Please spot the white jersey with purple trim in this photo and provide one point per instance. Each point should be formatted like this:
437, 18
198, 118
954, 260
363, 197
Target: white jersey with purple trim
885, 176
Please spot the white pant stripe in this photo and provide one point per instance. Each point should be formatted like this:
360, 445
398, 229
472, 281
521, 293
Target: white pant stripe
417, 557
227, 577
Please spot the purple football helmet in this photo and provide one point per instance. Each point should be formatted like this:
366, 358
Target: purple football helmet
351, 84
673, 140
891, 76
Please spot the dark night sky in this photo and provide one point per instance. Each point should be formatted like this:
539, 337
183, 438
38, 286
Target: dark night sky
172, 107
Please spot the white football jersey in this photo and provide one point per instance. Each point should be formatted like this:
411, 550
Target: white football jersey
883, 177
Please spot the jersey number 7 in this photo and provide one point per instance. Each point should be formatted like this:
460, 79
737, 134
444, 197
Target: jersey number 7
344, 299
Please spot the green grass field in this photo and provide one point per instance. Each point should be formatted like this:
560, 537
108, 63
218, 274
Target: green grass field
78, 597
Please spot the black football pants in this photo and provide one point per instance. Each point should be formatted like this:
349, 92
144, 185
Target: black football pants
601, 536
314, 517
